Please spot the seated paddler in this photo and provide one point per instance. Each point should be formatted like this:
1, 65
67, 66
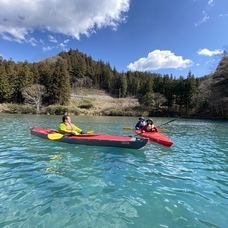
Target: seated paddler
66, 127
149, 126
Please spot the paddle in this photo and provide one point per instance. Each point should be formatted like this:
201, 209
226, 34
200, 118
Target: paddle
166, 123
127, 128
56, 136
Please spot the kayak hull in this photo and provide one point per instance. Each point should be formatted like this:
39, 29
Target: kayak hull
93, 139
156, 137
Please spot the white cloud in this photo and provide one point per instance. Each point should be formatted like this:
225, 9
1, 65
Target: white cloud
32, 41
207, 52
62, 46
158, 59
52, 39
48, 48
72, 17
41, 41
205, 18
210, 2
66, 41
223, 15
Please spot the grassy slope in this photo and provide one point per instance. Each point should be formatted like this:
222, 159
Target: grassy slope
103, 104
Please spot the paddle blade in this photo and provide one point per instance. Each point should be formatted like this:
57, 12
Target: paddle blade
162, 129
54, 136
89, 132
127, 128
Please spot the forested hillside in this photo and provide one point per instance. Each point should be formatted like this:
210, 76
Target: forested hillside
53, 80
213, 92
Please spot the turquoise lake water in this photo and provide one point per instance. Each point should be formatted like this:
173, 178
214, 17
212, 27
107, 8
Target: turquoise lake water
51, 184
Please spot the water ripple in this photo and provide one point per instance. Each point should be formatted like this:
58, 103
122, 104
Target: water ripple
49, 184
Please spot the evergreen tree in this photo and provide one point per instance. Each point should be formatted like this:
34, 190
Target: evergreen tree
5, 89
123, 84
11, 70
80, 68
60, 85
190, 90
147, 86
24, 78
107, 76
35, 72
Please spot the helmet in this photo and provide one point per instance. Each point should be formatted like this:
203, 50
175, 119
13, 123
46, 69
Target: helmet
149, 120
141, 118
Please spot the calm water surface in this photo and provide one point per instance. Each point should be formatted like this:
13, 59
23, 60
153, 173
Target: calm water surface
50, 184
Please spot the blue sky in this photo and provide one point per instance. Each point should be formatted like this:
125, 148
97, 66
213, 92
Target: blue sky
161, 36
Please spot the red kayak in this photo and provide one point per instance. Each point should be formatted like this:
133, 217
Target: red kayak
156, 136
91, 139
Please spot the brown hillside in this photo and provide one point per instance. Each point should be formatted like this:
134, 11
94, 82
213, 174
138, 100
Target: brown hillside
104, 104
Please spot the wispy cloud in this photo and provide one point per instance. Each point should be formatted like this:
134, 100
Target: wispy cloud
205, 18
32, 41
52, 39
207, 52
48, 48
66, 41
210, 3
62, 45
160, 59
41, 41
223, 15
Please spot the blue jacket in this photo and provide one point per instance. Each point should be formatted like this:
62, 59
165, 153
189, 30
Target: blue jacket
140, 124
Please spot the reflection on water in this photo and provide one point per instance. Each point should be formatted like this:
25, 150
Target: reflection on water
50, 184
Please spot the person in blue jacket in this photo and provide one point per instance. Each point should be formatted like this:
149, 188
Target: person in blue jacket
140, 123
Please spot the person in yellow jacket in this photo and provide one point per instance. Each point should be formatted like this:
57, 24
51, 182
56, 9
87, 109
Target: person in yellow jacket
66, 127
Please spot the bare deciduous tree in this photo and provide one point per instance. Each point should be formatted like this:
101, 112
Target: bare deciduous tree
159, 100
33, 95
